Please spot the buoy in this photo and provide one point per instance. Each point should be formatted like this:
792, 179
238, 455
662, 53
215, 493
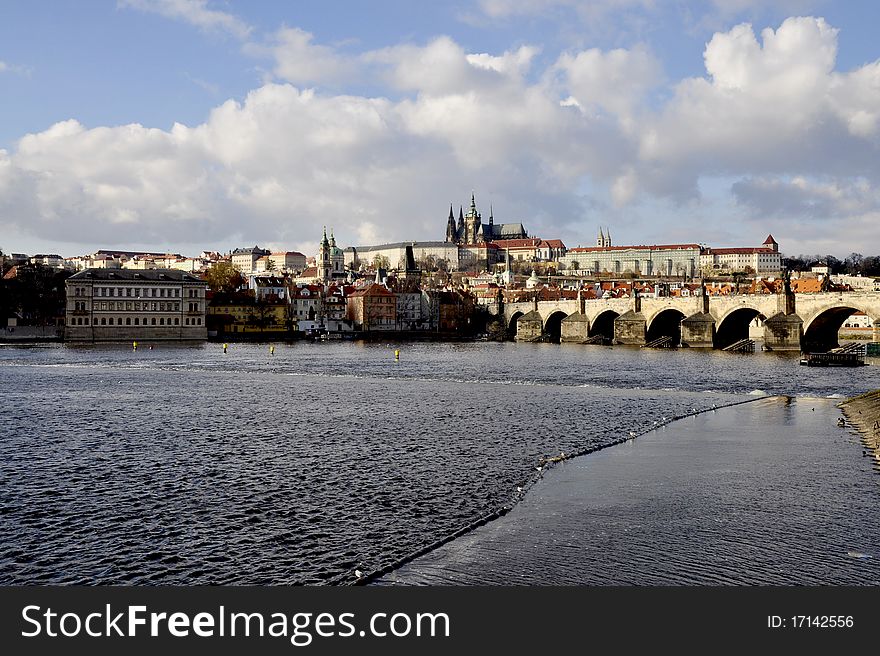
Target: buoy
397, 354
134, 346
224, 348
151, 347
272, 350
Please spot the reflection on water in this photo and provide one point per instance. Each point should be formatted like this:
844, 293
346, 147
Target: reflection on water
187, 465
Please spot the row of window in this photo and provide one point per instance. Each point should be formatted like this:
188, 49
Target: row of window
152, 321
138, 292
137, 306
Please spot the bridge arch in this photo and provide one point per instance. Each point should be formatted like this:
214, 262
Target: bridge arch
553, 325
511, 326
603, 325
666, 323
821, 328
734, 325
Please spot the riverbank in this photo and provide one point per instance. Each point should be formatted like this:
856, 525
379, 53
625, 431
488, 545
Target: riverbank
863, 412
767, 493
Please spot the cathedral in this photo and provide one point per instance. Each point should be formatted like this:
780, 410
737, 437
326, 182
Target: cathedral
471, 229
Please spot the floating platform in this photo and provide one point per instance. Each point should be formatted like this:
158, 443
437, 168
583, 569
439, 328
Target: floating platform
831, 359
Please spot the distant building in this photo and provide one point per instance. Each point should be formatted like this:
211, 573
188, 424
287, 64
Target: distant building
657, 260
245, 259
762, 260
470, 228
54, 261
288, 261
394, 255
270, 288
372, 308
107, 305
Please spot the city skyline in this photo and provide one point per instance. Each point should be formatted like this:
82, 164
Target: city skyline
257, 122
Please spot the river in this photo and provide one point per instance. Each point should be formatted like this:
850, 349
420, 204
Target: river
188, 465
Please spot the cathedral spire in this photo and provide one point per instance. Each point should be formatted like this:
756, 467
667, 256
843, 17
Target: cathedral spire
600, 239
324, 241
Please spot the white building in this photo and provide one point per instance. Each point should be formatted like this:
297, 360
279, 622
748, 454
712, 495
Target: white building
245, 259
657, 260
762, 260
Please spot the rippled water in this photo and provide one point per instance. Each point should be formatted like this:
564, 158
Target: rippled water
767, 493
187, 465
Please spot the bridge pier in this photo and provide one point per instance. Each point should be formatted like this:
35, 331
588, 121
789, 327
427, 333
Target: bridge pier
698, 331
783, 332
631, 328
529, 327
575, 328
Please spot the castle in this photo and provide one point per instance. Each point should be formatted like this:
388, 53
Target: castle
471, 229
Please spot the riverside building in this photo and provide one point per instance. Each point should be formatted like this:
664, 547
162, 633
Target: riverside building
121, 305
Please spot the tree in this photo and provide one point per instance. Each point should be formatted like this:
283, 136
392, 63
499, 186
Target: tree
270, 265
381, 262
223, 277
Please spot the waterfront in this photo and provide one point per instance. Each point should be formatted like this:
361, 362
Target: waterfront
187, 465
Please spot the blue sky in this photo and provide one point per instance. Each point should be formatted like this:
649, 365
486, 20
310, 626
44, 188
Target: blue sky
712, 122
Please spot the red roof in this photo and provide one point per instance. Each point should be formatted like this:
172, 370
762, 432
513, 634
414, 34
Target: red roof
374, 289
770, 240
738, 251
552, 243
594, 249
532, 242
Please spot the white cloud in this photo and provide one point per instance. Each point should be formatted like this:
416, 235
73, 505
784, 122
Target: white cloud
776, 107
561, 149
615, 81
194, 12
300, 61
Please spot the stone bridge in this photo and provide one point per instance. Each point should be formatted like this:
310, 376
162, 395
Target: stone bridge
790, 321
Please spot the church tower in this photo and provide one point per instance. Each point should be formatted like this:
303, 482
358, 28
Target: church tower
473, 223
600, 239
337, 258
450, 226
323, 259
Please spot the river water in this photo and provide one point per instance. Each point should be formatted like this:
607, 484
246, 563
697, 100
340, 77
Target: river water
185, 465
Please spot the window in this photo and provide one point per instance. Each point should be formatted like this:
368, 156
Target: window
76, 291
176, 321
136, 321
127, 321
103, 321
162, 321
162, 293
177, 306
186, 321
153, 322
128, 291
110, 321
199, 321
119, 291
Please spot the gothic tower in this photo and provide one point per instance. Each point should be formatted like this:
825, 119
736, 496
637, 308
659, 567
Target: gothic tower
450, 226
600, 239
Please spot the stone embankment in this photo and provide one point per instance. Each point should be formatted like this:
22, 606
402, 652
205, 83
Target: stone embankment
863, 412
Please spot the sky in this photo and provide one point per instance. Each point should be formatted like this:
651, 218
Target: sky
190, 125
